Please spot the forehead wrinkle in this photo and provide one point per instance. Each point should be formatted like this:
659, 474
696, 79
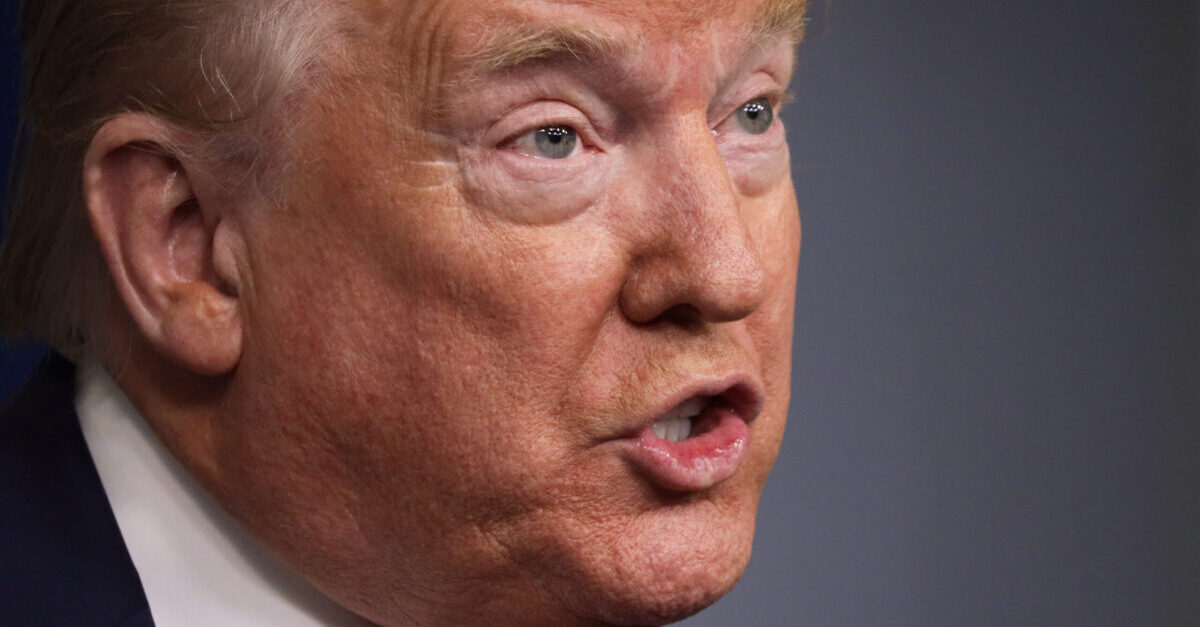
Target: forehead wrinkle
510, 47
503, 43
424, 34
513, 46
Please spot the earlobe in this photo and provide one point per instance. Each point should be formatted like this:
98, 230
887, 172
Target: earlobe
157, 235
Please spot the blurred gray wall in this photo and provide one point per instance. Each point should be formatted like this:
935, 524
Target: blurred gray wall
996, 391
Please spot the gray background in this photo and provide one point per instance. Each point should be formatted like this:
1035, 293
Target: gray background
996, 394
995, 401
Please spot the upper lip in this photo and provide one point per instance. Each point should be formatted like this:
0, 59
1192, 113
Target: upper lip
739, 392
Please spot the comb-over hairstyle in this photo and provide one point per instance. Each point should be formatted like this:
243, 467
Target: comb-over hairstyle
215, 68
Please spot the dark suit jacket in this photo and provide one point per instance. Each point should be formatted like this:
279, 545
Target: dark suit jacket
62, 559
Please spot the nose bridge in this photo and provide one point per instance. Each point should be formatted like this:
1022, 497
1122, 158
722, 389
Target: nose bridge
699, 190
700, 251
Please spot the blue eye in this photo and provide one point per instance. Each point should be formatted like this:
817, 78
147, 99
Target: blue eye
755, 117
555, 142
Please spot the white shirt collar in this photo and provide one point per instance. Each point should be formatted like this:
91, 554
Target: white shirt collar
197, 565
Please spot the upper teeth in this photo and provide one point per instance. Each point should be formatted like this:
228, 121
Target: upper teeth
676, 425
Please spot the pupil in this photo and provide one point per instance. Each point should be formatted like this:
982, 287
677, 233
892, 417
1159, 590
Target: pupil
555, 142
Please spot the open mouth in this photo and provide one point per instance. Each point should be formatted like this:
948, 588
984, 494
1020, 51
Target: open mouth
700, 414
679, 423
687, 420
698, 443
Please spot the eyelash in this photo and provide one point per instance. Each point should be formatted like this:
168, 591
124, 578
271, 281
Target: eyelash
583, 134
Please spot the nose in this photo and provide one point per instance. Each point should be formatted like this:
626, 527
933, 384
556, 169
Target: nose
695, 253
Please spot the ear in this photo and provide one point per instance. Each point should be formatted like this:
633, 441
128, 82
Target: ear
169, 250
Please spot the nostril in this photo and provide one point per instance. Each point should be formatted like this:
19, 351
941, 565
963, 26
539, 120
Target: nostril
684, 315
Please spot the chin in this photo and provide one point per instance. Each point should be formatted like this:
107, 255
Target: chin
664, 565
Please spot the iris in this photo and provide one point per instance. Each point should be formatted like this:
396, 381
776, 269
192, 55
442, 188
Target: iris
755, 117
555, 142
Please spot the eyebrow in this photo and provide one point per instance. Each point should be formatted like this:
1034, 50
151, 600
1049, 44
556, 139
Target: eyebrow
507, 48
780, 16
514, 46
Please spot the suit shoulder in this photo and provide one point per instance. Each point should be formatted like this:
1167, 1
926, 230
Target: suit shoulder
62, 554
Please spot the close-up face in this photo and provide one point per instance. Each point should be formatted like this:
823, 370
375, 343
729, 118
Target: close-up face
517, 326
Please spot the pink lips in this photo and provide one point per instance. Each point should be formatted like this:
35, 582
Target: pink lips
713, 453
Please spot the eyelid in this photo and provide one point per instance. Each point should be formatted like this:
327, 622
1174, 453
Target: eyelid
758, 84
530, 118
582, 134
783, 98
778, 97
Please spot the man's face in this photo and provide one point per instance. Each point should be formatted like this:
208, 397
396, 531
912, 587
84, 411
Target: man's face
514, 235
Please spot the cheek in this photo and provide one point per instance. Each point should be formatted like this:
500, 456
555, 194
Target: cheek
486, 359
460, 348
771, 326
420, 385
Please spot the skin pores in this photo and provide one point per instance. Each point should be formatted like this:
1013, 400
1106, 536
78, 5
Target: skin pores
454, 327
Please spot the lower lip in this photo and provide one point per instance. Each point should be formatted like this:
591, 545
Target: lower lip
697, 463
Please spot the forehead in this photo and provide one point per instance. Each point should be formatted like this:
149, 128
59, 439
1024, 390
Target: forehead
462, 25
666, 17
427, 46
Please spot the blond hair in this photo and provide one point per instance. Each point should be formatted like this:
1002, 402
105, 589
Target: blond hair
213, 67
